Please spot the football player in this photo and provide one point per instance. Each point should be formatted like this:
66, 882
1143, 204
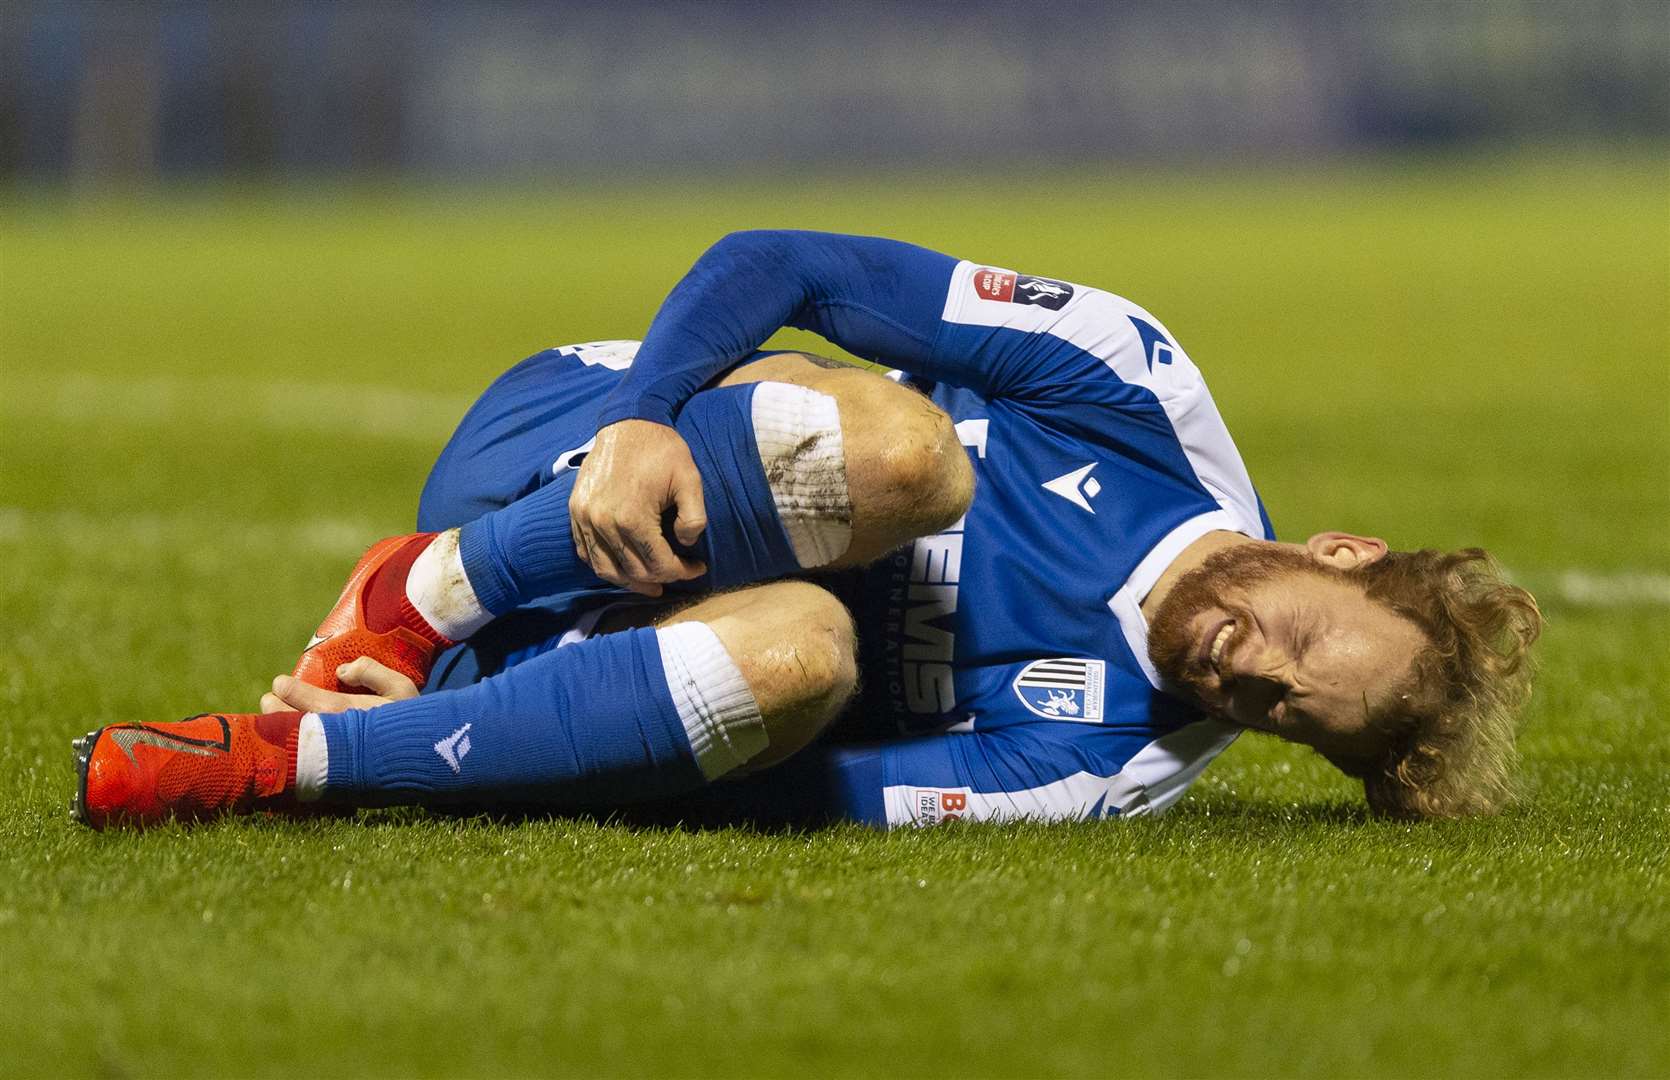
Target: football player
1026, 576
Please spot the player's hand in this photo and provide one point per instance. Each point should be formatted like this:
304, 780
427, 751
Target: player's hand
384, 685
635, 473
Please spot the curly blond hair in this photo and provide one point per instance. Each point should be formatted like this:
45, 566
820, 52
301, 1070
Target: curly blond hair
1452, 733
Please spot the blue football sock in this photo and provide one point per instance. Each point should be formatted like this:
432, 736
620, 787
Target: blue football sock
759, 526
641, 714
526, 550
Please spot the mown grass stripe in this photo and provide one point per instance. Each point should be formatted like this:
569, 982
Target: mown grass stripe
84, 532
1592, 589
364, 410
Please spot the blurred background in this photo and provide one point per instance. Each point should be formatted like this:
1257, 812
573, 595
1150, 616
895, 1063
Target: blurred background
137, 92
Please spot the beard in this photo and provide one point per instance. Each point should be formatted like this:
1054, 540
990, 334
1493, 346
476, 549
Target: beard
1219, 582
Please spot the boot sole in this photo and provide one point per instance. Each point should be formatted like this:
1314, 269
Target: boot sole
83, 749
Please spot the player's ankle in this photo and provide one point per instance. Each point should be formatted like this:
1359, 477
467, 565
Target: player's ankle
309, 759
422, 587
279, 729
386, 602
301, 736
437, 599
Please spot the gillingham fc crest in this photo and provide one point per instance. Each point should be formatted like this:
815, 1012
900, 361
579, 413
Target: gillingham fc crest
1065, 688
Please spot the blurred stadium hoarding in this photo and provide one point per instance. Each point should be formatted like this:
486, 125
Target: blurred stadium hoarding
143, 90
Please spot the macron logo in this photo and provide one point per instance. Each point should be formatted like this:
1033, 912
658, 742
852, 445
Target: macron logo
1077, 487
453, 748
1155, 348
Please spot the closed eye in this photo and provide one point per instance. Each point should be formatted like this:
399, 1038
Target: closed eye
1305, 637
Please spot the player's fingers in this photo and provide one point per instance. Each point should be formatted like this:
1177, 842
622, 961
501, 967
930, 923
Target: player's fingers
305, 697
579, 536
661, 563
587, 548
578, 517
585, 544
380, 680
692, 509
626, 545
597, 554
271, 702
608, 544
622, 552
644, 588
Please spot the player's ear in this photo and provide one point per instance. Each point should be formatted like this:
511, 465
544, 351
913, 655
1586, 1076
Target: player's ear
1344, 551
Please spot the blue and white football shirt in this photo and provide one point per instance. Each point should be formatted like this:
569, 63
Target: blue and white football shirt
1020, 626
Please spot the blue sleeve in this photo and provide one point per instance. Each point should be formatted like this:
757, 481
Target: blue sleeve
878, 299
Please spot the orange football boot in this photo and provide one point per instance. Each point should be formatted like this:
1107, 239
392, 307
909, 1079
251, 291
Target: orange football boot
402, 640
201, 767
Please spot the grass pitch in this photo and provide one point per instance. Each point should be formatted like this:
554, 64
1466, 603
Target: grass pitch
209, 403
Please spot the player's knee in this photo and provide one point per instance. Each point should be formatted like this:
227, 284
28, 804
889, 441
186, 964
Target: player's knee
795, 645
924, 467
814, 647
831, 647
818, 675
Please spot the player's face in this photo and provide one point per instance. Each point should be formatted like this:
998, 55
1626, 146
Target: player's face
1267, 638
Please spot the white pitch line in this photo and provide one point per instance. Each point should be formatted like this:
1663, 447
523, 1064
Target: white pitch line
366, 411
81, 531
1618, 589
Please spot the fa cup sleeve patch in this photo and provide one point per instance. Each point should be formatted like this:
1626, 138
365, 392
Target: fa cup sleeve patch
1005, 286
1043, 292
992, 284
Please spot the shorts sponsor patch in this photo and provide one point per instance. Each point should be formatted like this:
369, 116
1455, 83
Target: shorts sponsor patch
1007, 287
930, 806
1063, 688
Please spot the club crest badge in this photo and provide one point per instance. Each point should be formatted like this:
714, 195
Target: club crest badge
1065, 688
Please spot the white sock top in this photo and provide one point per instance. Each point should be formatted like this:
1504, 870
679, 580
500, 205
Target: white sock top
799, 434
312, 759
441, 592
714, 702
